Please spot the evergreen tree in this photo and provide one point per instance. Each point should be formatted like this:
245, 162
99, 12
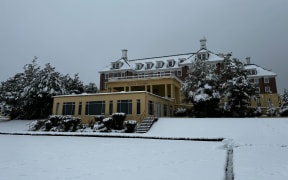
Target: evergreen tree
31, 93
201, 88
283, 111
236, 88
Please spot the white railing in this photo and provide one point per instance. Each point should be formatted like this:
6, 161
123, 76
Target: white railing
144, 76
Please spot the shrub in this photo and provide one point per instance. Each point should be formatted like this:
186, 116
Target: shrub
36, 125
56, 123
130, 126
180, 112
108, 122
118, 120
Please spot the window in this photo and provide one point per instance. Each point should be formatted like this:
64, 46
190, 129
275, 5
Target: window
159, 64
110, 107
249, 102
258, 102
267, 89
57, 108
116, 65
123, 74
181, 60
68, 108
138, 106
171, 63
256, 81
124, 106
165, 109
269, 103
254, 72
150, 108
149, 65
95, 108
257, 90
266, 80
106, 76
139, 66
179, 73
203, 56
80, 108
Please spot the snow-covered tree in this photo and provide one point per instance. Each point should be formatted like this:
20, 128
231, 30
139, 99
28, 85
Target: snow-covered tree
236, 88
90, 88
201, 88
30, 93
283, 111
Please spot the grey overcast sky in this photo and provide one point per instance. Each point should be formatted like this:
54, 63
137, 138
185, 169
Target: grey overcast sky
84, 36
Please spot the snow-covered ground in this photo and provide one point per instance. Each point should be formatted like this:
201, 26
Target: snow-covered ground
260, 152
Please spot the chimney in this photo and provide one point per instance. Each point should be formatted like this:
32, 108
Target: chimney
203, 43
248, 60
124, 54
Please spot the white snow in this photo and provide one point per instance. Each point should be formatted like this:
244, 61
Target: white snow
260, 152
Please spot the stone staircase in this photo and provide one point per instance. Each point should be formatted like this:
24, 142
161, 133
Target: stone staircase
145, 125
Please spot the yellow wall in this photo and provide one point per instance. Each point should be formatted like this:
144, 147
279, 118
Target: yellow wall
264, 102
162, 86
144, 98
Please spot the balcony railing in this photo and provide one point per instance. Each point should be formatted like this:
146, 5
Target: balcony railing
145, 76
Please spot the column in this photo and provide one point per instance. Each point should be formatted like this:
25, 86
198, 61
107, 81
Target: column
166, 89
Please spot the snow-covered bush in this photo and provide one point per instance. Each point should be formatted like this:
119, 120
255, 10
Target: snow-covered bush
283, 111
180, 111
271, 111
108, 122
56, 123
118, 120
257, 112
130, 126
36, 125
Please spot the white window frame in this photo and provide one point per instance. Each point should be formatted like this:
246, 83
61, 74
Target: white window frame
267, 89
256, 80
171, 63
266, 80
139, 66
159, 64
107, 76
149, 65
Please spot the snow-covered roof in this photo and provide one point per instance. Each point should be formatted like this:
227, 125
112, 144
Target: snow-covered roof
161, 62
149, 64
257, 71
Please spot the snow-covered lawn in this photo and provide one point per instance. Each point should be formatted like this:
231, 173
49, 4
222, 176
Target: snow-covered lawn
46, 157
260, 152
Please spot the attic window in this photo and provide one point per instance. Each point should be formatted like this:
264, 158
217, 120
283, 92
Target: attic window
159, 64
171, 63
181, 60
253, 72
116, 65
139, 66
149, 65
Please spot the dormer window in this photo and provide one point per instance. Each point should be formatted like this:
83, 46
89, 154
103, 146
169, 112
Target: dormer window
203, 56
139, 66
149, 65
252, 72
171, 63
181, 60
159, 64
117, 65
